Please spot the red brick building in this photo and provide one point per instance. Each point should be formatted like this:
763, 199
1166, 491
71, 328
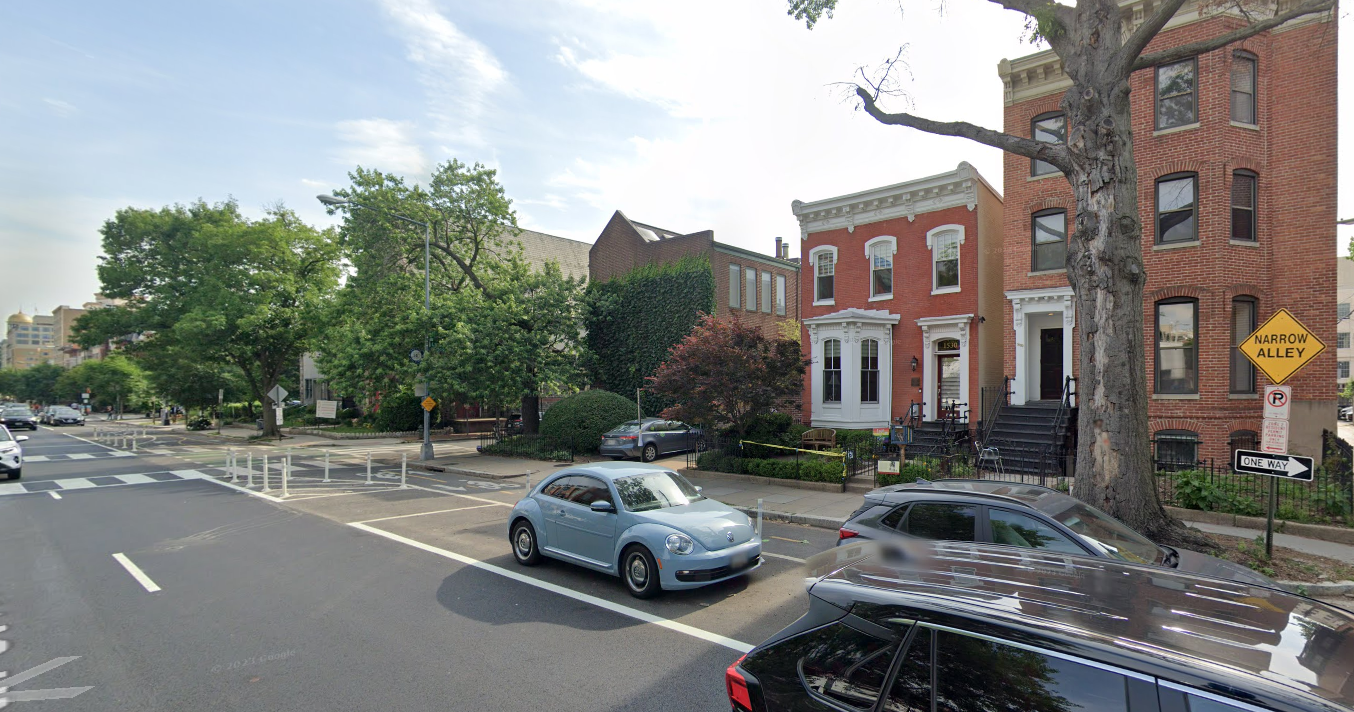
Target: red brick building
759, 289
901, 297
1235, 152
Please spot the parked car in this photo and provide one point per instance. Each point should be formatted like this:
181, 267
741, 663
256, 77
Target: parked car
17, 417
946, 626
1026, 516
648, 439
11, 453
45, 414
65, 416
644, 523
1347, 413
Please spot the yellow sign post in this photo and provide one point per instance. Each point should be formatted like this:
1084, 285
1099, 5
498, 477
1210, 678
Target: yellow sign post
1281, 347
428, 403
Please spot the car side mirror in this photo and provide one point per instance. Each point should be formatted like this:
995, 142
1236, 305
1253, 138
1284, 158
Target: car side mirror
20, 438
699, 489
602, 505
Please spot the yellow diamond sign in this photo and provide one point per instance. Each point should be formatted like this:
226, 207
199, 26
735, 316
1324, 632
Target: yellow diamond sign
1281, 347
428, 403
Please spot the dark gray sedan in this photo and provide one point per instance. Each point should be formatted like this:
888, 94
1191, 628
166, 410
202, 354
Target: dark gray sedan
1026, 516
647, 439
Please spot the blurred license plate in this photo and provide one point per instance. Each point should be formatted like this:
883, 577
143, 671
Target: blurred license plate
611, 441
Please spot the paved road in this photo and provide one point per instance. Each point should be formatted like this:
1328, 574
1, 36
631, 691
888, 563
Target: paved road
343, 595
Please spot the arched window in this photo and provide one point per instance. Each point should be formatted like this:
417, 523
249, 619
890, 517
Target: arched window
832, 371
869, 371
1177, 449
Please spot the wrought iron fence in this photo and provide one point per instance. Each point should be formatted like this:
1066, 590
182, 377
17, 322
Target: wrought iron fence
1328, 498
537, 447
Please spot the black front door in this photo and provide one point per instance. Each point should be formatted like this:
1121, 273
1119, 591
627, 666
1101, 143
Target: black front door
1050, 364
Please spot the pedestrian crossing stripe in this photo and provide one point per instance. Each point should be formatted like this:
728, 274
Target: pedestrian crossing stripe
99, 481
78, 456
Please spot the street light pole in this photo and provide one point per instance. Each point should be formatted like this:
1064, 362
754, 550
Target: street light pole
426, 452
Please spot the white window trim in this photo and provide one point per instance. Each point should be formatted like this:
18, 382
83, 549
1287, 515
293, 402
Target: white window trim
813, 273
930, 238
892, 242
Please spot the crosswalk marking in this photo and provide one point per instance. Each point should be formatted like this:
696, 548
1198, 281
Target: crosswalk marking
75, 483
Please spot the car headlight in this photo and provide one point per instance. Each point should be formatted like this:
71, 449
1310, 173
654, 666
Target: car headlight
679, 544
9, 449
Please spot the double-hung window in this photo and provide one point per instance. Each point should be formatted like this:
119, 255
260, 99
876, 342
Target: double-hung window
750, 289
1177, 352
1243, 323
881, 269
1050, 240
869, 371
826, 271
735, 286
1176, 105
945, 260
1243, 88
1176, 208
780, 295
832, 371
766, 292
1047, 128
1243, 206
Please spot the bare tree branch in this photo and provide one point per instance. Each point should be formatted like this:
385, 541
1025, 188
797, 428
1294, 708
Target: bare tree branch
1137, 42
1052, 153
1195, 48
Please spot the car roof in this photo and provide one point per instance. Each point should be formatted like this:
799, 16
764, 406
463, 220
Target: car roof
1032, 495
1133, 612
614, 470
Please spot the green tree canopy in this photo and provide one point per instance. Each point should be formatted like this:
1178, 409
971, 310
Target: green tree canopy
113, 381
38, 383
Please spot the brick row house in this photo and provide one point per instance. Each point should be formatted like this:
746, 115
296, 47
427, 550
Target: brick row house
901, 300
1235, 151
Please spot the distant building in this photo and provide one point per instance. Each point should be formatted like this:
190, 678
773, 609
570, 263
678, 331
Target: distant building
28, 341
1344, 301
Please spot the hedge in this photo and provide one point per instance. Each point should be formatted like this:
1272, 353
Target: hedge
577, 423
808, 470
399, 411
633, 320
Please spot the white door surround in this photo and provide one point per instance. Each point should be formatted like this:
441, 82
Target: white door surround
1033, 310
851, 327
933, 329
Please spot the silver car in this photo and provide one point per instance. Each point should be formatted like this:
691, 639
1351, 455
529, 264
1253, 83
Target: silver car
648, 439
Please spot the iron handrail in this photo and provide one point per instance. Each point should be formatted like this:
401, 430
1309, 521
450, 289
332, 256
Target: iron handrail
1059, 431
990, 417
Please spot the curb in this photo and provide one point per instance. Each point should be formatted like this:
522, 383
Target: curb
805, 519
470, 473
1336, 588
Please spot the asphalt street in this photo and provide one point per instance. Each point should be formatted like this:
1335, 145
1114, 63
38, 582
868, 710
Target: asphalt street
152, 580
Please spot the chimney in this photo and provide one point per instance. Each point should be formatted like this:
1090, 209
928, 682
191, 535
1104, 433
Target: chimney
778, 247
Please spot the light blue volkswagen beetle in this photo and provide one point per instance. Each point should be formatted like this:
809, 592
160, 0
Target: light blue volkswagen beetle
644, 523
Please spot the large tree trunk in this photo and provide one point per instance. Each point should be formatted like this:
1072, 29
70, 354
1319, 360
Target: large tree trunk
1114, 469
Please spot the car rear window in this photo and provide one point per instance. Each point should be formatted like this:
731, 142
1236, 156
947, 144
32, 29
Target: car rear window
846, 665
626, 428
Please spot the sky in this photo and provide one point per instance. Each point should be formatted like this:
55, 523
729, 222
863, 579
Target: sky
687, 115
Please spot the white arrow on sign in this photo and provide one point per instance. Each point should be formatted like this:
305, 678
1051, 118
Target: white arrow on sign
1294, 468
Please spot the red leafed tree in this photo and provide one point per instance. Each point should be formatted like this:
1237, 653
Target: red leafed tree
725, 372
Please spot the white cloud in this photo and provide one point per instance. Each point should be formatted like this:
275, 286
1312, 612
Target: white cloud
459, 73
59, 107
382, 144
315, 183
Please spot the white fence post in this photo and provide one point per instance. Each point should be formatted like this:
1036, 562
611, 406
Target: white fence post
249, 468
404, 469
286, 472
326, 465
133, 443
265, 473
368, 467
230, 462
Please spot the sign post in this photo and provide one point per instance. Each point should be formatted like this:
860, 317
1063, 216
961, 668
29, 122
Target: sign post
220, 408
277, 394
1276, 467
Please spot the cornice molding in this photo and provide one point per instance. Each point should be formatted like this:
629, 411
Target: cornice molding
910, 199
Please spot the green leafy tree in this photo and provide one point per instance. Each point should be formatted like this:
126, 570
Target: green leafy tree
38, 383
178, 376
1100, 55
211, 285
114, 381
729, 372
11, 382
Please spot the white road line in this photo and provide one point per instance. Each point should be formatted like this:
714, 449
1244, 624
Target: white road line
76, 483
77, 437
303, 497
782, 556
37, 458
627, 611
136, 573
54, 494
136, 479
80, 456
421, 514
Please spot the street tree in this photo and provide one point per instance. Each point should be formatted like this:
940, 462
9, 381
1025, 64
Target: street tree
728, 372
1104, 255
113, 381
11, 380
209, 284
38, 383
480, 287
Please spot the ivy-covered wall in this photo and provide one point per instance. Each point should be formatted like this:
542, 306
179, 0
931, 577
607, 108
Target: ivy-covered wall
633, 320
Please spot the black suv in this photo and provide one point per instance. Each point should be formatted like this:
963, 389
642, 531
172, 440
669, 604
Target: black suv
1027, 516
922, 626
20, 417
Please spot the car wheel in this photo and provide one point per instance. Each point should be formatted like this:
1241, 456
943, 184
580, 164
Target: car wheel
650, 453
16, 474
640, 572
524, 547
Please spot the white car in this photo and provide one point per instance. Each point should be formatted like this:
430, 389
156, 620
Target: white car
1347, 413
11, 453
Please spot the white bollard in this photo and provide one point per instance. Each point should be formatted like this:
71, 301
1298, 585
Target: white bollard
404, 469
759, 518
249, 469
368, 468
265, 472
230, 463
326, 466
133, 443
286, 473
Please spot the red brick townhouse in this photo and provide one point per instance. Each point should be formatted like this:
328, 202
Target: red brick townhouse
901, 300
759, 289
1236, 167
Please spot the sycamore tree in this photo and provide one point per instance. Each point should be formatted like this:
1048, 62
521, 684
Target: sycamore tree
1104, 254
499, 332
210, 285
728, 372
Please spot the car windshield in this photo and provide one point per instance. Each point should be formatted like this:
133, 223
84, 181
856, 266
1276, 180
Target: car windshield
656, 490
626, 428
5, 437
1106, 533
17, 411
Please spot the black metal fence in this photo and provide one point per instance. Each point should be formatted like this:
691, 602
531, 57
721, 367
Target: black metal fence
1328, 498
536, 447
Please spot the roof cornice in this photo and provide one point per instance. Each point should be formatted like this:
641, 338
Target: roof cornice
938, 192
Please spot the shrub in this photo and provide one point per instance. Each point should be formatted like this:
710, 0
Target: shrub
530, 446
852, 439
349, 414
400, 412
719, 462
1195, 490
578, 422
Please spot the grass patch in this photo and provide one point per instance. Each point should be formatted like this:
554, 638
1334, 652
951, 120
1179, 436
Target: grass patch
1287, 564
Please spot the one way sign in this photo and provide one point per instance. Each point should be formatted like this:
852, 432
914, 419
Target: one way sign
1289, 467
